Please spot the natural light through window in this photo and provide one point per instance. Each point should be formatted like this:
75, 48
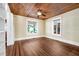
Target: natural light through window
32, 27
56, 27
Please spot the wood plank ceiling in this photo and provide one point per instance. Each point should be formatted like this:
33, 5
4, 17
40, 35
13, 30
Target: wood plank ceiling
48, 9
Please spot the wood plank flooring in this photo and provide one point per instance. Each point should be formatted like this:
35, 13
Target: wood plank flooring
42, 47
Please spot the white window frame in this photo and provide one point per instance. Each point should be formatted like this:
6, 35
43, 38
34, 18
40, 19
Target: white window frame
29, 23
56, 27
29, 34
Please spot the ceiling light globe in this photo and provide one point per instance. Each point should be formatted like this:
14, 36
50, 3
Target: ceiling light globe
39, 13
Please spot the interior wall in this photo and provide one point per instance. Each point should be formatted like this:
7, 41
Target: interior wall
69, 26
20, 25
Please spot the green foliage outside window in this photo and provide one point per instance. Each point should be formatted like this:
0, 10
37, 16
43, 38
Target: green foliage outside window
32, 27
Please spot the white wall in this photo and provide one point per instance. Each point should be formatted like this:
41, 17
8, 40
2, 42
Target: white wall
21, 31
69, 26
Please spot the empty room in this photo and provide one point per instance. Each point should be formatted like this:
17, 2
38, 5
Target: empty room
39, 29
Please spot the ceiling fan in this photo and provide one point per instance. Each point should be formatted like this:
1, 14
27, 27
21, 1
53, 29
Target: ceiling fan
41, 12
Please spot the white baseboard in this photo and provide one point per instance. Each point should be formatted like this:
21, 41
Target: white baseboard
59, 39
26, 38
65, 41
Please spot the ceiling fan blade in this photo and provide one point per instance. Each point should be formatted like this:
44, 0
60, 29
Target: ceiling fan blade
43, 14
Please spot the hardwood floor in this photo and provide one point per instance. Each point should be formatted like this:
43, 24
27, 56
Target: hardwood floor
42, 47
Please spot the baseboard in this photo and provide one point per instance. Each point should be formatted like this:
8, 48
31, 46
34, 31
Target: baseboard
60, 39
26, 38
65, 41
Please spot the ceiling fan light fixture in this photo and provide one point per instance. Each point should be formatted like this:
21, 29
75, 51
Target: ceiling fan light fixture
39, 13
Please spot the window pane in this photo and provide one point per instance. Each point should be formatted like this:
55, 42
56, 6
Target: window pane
32, 27
57, 26
58, 29
54, 29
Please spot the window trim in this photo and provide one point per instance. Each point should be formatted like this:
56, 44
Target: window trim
60, 26
27, 28
32, 23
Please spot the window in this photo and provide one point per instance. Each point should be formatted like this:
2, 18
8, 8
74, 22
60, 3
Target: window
32, 27
57, 26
